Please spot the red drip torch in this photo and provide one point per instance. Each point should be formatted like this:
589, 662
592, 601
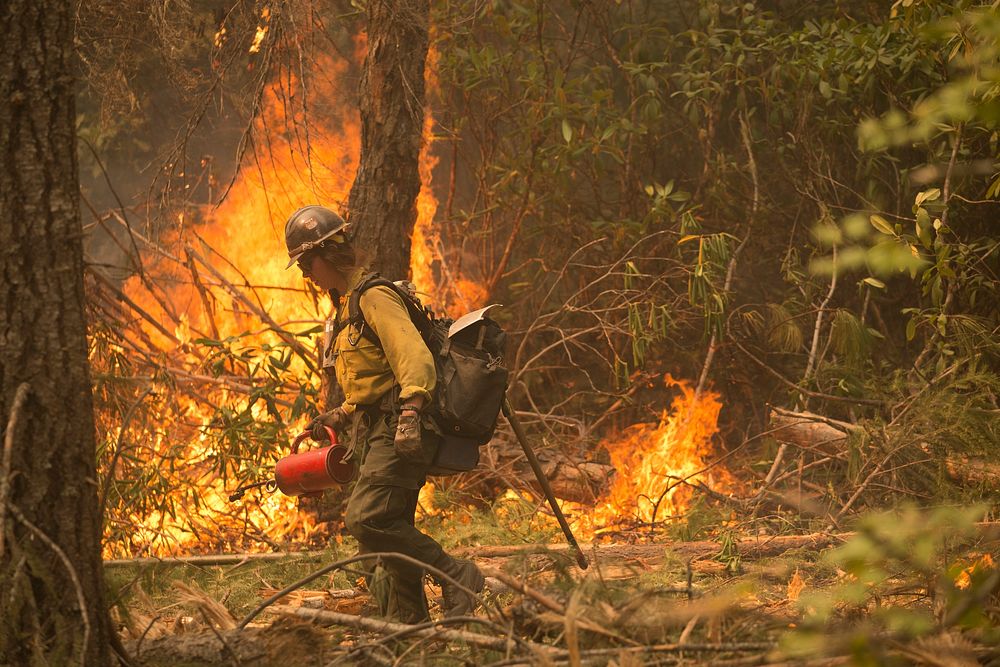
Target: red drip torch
309, 473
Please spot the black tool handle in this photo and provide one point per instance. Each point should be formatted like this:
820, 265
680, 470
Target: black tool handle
536, 467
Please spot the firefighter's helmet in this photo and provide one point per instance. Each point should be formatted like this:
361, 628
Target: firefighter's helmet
310, 227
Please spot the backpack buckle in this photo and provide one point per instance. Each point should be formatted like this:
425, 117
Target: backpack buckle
354, 340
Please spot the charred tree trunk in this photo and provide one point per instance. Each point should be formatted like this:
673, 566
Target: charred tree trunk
382, 204
52, 608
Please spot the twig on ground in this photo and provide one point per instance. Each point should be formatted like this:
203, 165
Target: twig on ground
226, 648
372, 625
347, 561
562, 655
455, 620
138, 644
688, 629
524, 589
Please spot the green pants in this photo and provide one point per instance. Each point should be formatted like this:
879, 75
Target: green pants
380, 514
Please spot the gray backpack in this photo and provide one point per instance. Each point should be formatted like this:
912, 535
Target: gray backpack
471, 376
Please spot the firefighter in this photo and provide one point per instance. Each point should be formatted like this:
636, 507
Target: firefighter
386, 390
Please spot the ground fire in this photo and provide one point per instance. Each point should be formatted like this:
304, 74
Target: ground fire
658, 465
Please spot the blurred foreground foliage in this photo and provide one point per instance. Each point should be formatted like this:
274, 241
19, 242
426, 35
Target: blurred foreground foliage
915, 585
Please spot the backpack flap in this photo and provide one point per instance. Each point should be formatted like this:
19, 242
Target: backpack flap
472, 379
454, 455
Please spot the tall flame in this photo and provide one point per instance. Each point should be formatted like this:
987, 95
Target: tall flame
440, 286
237, 252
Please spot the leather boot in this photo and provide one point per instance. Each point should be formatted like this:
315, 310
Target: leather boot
457, 602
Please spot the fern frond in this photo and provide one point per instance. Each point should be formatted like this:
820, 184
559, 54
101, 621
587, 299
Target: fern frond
783, 332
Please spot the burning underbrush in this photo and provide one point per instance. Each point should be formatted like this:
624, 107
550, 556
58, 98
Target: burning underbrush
656, 473
660, 466
211, 344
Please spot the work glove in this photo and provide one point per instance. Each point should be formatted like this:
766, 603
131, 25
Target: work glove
335, 419
407, 441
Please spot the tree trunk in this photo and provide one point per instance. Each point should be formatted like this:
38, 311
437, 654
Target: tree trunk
52, 608
382, 204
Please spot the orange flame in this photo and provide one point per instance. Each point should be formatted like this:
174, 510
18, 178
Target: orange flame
302, 159
657, 464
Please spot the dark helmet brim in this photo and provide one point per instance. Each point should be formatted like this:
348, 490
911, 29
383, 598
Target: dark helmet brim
311, 245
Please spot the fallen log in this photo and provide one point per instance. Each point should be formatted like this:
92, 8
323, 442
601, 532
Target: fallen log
755, 546
823, 435
220, 559
810, 432
758, 546
577, 481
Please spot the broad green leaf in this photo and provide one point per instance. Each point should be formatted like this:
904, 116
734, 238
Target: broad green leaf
911, 329
922, 227
880, 223
927, 195
874, 282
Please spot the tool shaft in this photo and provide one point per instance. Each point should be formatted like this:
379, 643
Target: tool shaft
536, 467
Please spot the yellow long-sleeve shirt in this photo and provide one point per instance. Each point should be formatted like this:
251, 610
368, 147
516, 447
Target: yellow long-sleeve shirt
364, 371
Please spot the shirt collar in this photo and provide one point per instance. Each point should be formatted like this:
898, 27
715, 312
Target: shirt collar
353, 280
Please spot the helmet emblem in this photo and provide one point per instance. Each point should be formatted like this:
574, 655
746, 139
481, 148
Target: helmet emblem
310, 223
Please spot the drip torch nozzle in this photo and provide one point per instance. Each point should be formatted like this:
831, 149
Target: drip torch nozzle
269, 485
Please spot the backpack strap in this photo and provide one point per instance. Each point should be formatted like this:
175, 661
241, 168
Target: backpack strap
355, 317
421, 317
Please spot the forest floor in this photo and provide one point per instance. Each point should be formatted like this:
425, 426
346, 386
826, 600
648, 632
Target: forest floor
731, 599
